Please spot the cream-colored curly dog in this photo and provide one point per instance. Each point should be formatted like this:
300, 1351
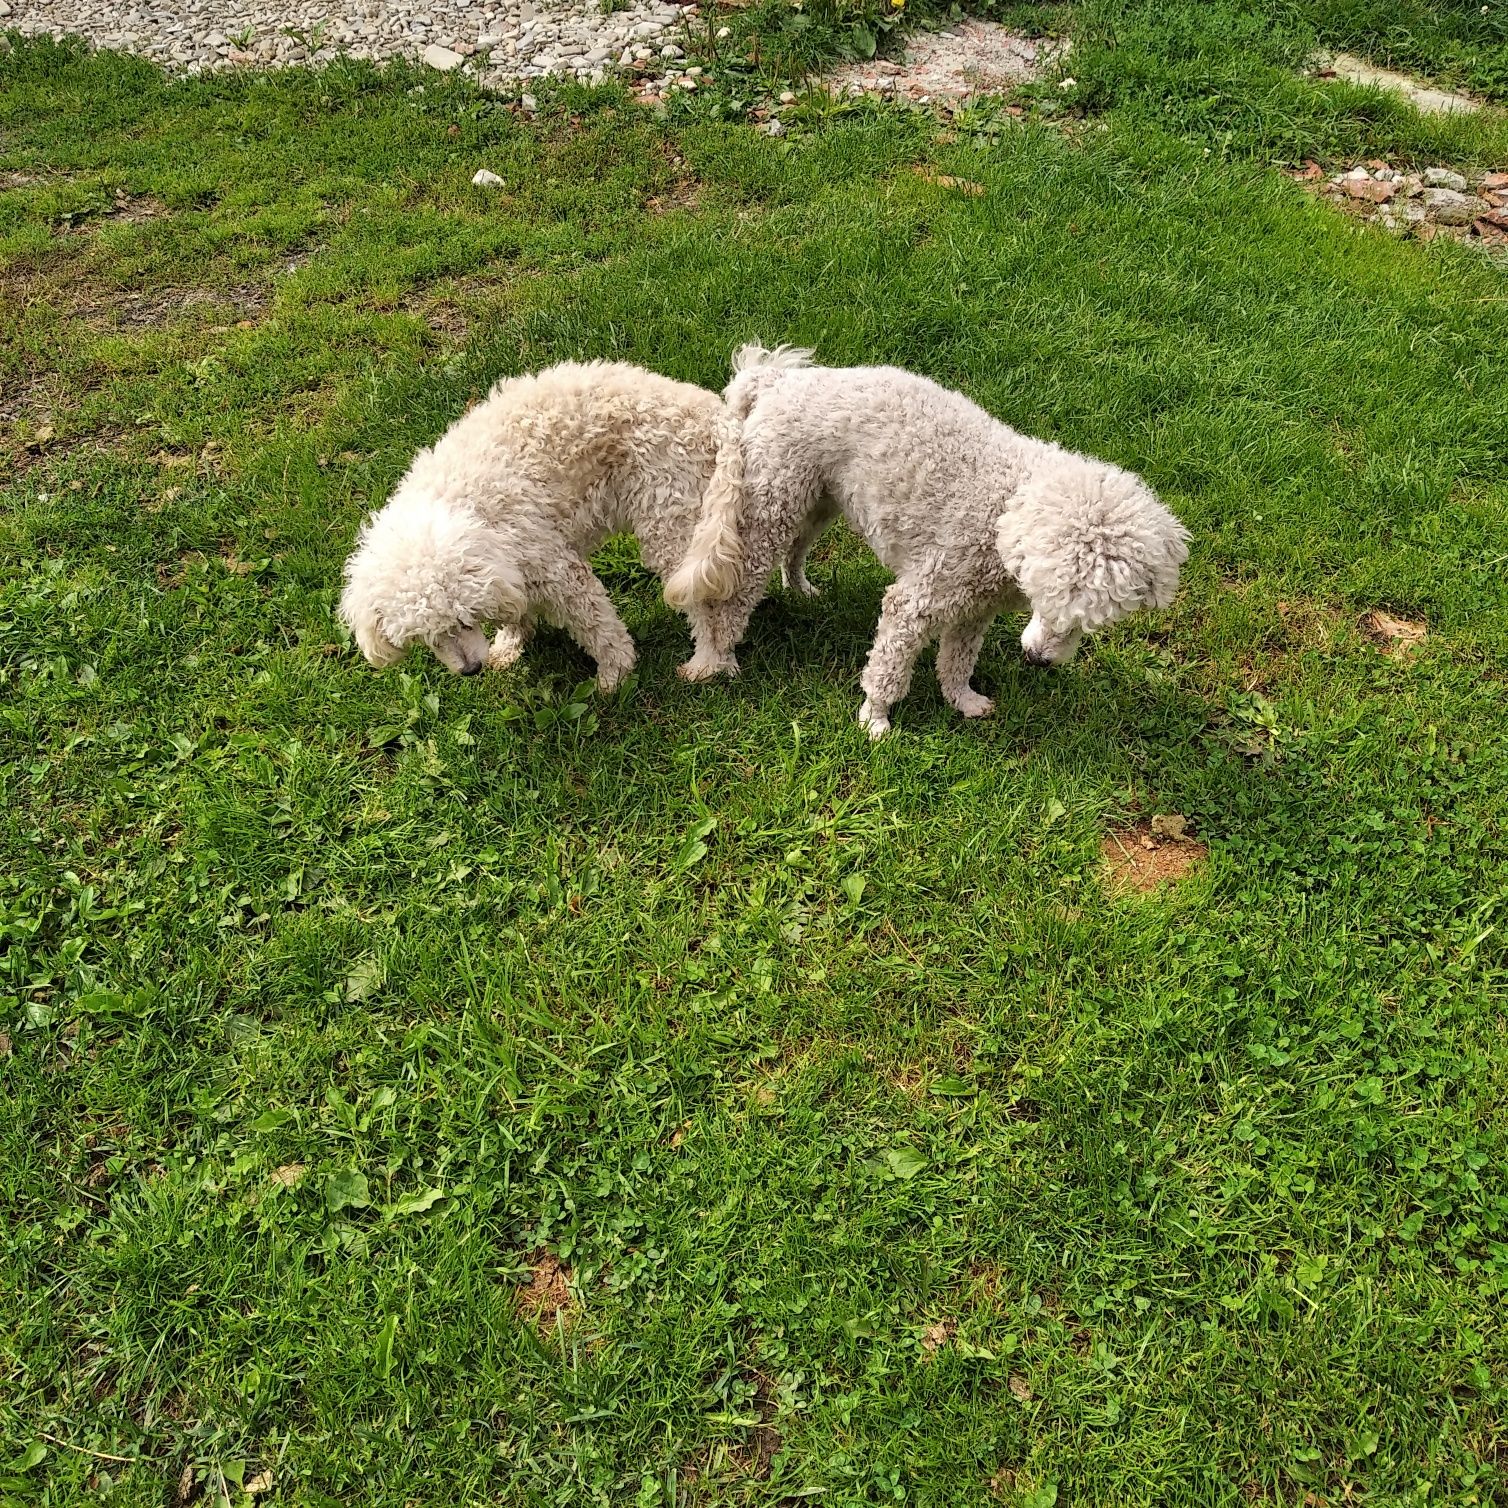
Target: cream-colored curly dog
497, 522
972, 518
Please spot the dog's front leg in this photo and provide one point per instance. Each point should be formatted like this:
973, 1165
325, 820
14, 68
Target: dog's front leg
508, 643
579, 603
957, 654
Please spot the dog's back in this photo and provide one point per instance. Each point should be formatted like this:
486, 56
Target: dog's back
912, 465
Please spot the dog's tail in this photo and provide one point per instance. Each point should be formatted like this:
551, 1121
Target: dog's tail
710, 572
755, 368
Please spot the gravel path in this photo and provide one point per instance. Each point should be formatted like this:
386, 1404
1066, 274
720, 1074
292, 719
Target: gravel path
498, 40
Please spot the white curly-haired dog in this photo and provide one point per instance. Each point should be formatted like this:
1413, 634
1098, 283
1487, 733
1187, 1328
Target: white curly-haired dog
971, 516
497, 522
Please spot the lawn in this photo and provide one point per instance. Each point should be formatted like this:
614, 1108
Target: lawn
440, 1092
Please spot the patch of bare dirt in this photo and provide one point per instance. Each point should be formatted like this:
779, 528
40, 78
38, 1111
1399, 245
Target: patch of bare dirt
763, 1443
1143, 858
153, 308
936, 1336
1308, 623
548, 1292
1394, 636
947, 181
135, 209
681, 192
943, 67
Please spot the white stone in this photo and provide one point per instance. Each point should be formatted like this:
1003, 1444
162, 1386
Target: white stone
486, 178
1444, 178
786, 97
441, 58
775, 128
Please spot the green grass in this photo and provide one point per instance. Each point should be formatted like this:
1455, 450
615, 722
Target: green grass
331, 998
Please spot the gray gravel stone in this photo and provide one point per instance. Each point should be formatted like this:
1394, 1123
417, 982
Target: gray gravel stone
1451, 208
525, 38
1444, 178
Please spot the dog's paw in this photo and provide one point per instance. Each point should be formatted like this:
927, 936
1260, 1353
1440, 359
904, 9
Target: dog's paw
872, 720
699, 669
507, 646
611, 677
800, 586
971, 704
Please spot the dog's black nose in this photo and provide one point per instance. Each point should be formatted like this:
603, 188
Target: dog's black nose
1033, 658
472, 667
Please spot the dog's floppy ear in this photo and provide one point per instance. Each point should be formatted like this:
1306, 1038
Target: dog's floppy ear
358, 615
490, 570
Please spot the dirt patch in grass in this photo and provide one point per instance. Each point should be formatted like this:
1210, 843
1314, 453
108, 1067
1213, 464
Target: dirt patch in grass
682, 191
135, 209
974, 57
1308, 623
763, 1442
935, 1336
157, 308
1392, 635
1143, 858
548, 1291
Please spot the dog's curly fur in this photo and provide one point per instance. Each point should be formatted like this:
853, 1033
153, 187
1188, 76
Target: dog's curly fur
497, 522
971, 516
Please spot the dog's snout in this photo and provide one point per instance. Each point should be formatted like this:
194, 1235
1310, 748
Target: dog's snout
1034, 657
472, 667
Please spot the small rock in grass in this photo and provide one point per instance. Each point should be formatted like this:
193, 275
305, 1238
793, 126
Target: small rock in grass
775, 128
1451, 208
1373, 190
1444, 178
442, 58
485, 178
787, 98
528, 102
724, 32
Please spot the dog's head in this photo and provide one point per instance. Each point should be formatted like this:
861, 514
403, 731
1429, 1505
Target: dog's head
425, 570
1087, 543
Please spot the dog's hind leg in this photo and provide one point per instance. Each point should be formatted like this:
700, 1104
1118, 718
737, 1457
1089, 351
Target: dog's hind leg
718, 627
793, 567
576, 600
713, 637
957, 653
901, 635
